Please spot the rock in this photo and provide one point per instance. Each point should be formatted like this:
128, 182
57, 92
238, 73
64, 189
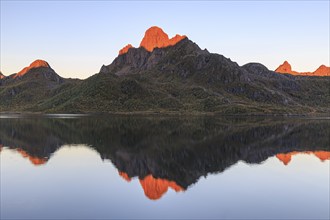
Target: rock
125, 49
322, 71
155, 37
285, 68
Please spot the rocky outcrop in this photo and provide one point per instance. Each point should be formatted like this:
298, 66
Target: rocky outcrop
286, 68
125, 49
153, 38
322, 71
1, 75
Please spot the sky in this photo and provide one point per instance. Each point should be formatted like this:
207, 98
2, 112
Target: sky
77, 37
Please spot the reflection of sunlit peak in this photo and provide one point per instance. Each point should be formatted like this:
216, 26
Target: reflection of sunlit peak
124, 176
286, 158
155, 188
322, 155
34, 160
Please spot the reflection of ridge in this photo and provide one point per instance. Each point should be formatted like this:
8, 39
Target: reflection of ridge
154, 188
169, 150
35, 160
286, 157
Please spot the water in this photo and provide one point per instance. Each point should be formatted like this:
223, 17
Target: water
55, 167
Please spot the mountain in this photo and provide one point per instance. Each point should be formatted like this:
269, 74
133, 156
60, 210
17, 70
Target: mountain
174, 75
1, 76
286, 68
32, 85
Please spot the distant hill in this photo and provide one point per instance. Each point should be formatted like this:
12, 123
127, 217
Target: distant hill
169, 75
25, 90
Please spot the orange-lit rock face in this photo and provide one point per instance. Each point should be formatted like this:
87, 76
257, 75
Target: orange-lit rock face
125, 49
286, 68
286, 158
34, 160
1, 76
35, 64
322, 71
156, 37
155, 188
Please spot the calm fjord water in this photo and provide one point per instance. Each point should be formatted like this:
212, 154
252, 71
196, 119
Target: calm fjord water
164, 167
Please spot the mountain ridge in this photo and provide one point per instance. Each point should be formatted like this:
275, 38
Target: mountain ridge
286, 68
179, 78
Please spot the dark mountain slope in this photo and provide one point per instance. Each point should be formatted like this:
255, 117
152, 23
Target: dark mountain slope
184, 78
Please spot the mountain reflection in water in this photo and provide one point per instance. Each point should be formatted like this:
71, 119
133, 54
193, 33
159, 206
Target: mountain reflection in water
168, 153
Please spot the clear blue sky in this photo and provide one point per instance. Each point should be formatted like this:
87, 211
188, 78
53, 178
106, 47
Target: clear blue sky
77, 37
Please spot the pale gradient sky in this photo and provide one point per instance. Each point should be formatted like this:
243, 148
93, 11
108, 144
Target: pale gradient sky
77, 37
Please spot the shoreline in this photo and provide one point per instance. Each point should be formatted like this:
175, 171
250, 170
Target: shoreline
146, 113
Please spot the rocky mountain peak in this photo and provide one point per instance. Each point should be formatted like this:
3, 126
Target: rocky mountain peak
125, 49
322, 71
1, 75
155, 37
284, 68
34, 64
